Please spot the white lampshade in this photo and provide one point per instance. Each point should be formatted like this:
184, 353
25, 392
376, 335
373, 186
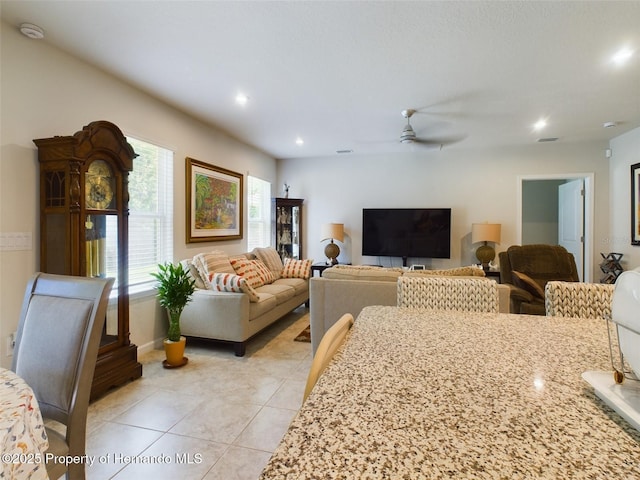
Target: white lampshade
332, 231
485, 232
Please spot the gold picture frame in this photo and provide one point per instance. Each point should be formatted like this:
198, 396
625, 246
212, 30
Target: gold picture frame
214, 202
635, 204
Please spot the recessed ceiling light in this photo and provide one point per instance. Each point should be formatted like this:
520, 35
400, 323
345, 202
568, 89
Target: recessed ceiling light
242, 99
622, 56
299, 141
32, 31
540, 124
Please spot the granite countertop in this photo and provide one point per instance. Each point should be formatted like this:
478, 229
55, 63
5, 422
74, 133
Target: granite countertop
417, 395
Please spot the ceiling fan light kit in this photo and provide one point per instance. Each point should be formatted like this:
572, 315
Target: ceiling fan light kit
32, 31
408, 135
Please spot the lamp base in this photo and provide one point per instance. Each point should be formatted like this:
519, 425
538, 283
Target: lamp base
331, 251
485, 254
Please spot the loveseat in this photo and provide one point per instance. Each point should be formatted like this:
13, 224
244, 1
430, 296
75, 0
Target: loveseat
238, 296
348, 289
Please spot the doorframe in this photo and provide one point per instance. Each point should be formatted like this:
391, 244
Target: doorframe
589, 206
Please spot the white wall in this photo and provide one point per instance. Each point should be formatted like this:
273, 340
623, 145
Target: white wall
45, 92
625, 151
479, 185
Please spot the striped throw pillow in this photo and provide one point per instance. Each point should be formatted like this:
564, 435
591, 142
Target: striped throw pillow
297, 268
245, 268
263, 272
271, 259
229, 282
212, 262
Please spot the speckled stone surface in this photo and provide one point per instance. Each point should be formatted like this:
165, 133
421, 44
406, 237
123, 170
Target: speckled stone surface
421, 395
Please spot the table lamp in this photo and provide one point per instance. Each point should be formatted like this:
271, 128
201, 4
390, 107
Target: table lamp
332, 231
485, 232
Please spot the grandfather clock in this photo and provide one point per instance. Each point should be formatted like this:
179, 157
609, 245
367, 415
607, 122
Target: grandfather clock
84, 230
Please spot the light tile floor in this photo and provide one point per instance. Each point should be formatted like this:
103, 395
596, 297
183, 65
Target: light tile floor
219, 417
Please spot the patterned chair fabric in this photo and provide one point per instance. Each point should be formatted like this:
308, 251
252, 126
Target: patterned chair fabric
579, 300
442, 293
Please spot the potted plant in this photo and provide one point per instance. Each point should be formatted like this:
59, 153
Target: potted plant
174, 290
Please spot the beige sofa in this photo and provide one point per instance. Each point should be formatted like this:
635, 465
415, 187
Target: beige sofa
236, 316
346, 289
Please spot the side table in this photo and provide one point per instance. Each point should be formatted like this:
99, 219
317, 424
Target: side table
319, 267
493, 274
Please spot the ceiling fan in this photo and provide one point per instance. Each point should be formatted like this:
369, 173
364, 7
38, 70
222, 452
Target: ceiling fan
408, 135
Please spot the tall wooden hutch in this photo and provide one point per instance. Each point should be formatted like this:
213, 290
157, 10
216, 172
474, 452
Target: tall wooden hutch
84, 230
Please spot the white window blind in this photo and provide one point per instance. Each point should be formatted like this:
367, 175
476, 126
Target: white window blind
150, 212
259, 223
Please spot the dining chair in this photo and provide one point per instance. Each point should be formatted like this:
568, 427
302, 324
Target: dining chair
448, 293
56, 351
331, 341
578, 299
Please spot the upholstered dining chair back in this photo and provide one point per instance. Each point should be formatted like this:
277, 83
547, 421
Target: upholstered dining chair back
331, 341
445, 293
578, 300
56, 351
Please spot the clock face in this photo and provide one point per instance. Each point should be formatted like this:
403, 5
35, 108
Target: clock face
98, 185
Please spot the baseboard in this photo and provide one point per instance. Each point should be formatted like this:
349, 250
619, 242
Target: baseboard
150, 346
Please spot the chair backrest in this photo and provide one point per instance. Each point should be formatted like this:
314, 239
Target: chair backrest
331, 341
578, 300
541, 262
57, 345
449, 293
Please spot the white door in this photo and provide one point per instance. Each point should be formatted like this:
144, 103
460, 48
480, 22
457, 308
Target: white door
571, 220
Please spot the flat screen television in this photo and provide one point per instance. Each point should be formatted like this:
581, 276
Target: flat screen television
406, 232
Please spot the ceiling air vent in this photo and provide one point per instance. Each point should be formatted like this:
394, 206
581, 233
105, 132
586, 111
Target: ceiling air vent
548, 139
344, 151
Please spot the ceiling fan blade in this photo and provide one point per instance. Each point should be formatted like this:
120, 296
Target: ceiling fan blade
440, 141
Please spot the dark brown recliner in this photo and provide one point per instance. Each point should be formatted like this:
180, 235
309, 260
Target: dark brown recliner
528, 268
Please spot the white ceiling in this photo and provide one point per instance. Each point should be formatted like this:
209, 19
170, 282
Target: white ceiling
338, 74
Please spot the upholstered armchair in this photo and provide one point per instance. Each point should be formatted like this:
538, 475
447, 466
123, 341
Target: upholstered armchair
528, 268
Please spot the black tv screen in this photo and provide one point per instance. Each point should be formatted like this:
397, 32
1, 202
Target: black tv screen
406, 232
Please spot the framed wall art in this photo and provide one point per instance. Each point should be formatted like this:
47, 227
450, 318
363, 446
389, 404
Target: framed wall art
635, 204
214, 202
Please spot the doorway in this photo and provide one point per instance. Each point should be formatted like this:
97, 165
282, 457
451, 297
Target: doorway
539, 215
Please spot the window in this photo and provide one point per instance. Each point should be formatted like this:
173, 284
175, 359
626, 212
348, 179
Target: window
259, 224
150, 212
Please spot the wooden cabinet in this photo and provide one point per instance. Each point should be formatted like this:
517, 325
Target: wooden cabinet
287, 227
84, 230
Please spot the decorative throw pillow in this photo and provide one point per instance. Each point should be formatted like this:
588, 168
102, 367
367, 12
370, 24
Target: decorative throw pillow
297, 268
188, 266
264, 273
245, 268
229, 282
271, 259
527, 283
451, 272
212, 262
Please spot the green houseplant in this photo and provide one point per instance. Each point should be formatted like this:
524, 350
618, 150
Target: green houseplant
174, 290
